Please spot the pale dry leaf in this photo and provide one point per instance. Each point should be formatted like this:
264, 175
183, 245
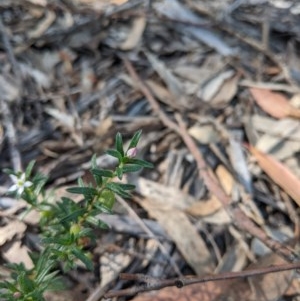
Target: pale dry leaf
220, 217
38, 2
273, 103
17, 253
64, 119
135, 35
165, 204
191, 73
183, 233
111, 264
212, 87
14, 227
281, 142
238, 161
279, 173
103, 126
169, 196
226, 92
43, 25
205, 133
226, 179
205, 208
283, 129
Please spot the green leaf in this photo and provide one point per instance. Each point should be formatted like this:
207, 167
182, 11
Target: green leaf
118, 188
73, 217
97, 223
135, 139
119, 171
102, 208
139, 162
86, 191
82, 257
94, 161
119, 144
115, 153
63, 241
29, 169
131, 168
26, 284
102, 173
80, 182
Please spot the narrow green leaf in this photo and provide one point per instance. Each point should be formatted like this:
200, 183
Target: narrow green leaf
80, 182
135, 139
119, 144
94, 161
121, 186
26, 284
73, 217
116, 188
64, 241
82, 257
115, 153
103, 209
102, 173
96, 222
29, 169
131, 168
139, 162
86, 191
119, 171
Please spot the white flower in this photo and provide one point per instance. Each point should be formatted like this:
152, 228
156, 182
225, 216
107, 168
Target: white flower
20, 183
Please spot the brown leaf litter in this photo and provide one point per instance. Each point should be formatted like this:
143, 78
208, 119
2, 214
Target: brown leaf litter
215, 89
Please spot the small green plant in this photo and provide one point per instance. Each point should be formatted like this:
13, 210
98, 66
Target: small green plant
67, 226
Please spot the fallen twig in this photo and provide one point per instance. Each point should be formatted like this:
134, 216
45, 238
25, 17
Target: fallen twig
148, 283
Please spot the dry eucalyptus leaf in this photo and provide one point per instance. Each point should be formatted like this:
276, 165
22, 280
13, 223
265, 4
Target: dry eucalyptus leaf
273, 103
205, 208
214, 85
14, 227
135, 34
226, 92
183, 233
205, 133
17, 253
279, 173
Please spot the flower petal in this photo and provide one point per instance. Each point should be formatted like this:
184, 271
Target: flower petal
12, 188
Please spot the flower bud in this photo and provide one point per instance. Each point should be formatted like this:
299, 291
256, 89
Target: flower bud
132, 152
17, 295
75, 229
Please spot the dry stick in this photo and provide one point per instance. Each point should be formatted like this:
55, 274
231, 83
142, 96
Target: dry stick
242, 221
150, 283
11, 136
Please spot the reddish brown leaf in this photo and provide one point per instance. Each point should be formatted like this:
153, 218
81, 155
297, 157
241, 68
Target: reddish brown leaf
279, 173
275, 104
